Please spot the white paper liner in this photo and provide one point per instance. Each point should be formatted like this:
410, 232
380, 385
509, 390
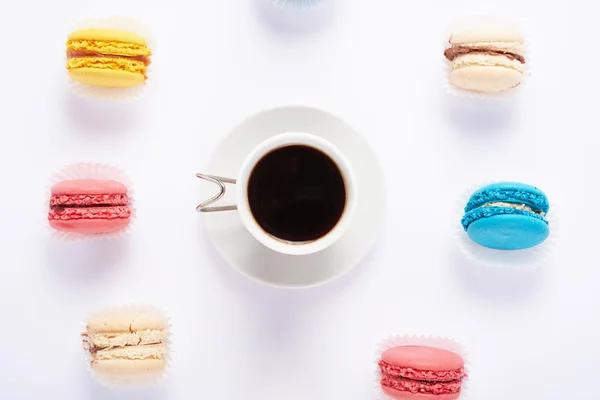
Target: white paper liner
298, 4
112, 382
112, 94
525, 259
88, 170
429, 341
507, 95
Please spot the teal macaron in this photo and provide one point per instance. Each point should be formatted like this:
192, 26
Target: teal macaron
507, 216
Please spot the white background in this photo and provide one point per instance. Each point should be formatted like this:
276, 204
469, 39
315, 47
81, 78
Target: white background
375, 63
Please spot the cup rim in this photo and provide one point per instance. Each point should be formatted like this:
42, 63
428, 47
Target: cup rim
285, 140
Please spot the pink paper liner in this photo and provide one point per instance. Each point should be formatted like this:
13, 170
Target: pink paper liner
526, 259
507, 95
110, 382
430, 341
91, 171
112, 94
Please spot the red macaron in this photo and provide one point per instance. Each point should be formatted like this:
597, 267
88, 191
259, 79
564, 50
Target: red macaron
421, 373
89, 206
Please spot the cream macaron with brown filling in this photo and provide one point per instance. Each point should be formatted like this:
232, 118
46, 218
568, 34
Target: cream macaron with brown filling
487, 60
127, 347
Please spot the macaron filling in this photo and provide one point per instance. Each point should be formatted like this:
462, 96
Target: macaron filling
515, 206
154, 351
121, 339
457, 51
84, 53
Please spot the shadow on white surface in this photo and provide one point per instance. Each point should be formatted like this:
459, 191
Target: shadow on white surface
294, 22
278, 312
99, 392
101, 116
244, 283
501, 285
477, 116
86, 261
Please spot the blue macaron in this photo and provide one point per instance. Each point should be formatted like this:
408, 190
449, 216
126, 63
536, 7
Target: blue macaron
507, 216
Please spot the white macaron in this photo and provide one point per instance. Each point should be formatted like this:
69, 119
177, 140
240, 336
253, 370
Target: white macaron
486, 60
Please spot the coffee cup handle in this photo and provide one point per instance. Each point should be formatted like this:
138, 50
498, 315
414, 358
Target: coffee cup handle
220, 182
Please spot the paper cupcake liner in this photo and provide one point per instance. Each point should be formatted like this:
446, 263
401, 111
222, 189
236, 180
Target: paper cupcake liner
430, 341
298, 4
526, 259
113, 383
507, 95
91, 171
112, 94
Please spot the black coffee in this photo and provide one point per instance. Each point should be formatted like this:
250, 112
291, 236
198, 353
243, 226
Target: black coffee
296, 193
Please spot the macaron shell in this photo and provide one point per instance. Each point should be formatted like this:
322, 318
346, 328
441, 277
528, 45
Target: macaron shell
129, 370
488, 212
89, 213
487, 33
93, 47
126, 322
89, 186
479, 59
423, 358
86, 200
108, 35
486, 79
508, 232
398, 395
511, 192
90, 226
106, 77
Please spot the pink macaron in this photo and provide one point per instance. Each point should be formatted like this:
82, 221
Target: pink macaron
89, 206
421, 373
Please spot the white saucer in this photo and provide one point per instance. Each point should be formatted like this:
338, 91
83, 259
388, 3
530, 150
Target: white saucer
254, 260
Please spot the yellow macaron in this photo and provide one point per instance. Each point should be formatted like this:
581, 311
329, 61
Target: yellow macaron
111, 58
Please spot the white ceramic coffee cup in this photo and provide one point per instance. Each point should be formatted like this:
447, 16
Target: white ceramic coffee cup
243, 207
